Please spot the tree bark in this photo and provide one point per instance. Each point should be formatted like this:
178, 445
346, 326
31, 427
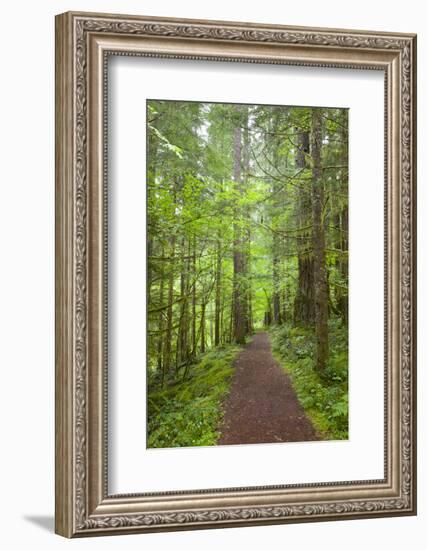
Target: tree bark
342, 293
249, 311
202, 328
193, 303
239, 327
182, 341
304, 314
304, 299
160, 323
218, 293
276, 244
167, 348
320, 275
277, 317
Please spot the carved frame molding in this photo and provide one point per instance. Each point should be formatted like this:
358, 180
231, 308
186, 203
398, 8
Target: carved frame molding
83, 43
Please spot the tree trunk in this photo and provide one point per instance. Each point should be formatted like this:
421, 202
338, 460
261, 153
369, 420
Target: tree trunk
247, 229
284, 313
320, 277
277, 319
343, 301
239, 328
276, 208
342, 244
202, 328
193, 303
167, 349
160, 325
343, 263
218, 294
249, 311
182, 341
304, 298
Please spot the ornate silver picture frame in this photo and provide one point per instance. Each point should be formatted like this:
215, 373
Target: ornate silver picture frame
84, 42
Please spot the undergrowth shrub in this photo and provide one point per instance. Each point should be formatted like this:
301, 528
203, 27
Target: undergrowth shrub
324, 397
189, 412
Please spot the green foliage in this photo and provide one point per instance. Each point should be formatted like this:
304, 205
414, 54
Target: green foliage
188, 413
174, 148
230, 222
324, 398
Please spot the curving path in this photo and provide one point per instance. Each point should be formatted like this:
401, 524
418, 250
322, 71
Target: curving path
262, 406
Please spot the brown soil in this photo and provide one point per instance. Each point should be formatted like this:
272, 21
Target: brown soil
262, 406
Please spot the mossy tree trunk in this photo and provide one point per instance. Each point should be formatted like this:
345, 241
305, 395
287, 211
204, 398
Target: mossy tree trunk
319, 258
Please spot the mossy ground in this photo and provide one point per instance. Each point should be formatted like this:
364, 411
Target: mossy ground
324, 397
188, 413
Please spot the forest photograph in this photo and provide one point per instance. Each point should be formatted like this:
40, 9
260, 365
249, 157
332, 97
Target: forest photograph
247, 273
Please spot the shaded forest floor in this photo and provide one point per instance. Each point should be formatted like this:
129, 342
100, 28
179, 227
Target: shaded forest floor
187, 412
324, 397
262, 406
261, 393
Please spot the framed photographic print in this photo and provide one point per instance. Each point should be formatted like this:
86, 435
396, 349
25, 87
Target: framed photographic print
235, 274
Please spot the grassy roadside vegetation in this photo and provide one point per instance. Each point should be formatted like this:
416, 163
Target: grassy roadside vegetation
324, 398
188, 413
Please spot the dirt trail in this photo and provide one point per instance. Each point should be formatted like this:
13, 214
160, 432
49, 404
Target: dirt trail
262, 406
